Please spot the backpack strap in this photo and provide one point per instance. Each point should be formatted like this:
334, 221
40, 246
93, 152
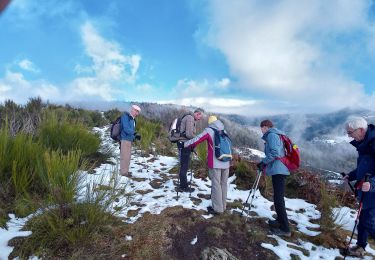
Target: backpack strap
370, 148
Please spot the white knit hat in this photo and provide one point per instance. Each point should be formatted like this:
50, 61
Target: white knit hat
136, 108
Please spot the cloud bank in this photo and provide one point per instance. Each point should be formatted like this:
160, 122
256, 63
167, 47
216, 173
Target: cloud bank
294, 51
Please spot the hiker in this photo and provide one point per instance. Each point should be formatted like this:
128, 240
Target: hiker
363, 140
187, 130
127, 136
274, 149
218, 171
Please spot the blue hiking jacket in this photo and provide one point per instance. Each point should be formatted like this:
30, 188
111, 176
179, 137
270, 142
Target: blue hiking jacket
274, 148
365, 164
127, 127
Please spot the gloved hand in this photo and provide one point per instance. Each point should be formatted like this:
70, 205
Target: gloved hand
261, 166
345, 176
180, 144
137, 137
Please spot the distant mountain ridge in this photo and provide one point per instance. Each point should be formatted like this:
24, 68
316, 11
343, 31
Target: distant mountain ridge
309, 126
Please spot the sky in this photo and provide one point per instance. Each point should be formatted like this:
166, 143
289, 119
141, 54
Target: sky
247, 57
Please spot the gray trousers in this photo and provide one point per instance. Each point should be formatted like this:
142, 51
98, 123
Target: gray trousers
126, 149
219, 179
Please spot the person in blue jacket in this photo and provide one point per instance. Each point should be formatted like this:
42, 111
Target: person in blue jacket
272, 166
127, 136
364, 141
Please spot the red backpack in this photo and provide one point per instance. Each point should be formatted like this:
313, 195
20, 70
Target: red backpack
292, 157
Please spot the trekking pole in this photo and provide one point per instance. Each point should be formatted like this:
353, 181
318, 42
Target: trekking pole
253, 196
357, 218
248, 197
350, 185
191, 171
178, 177
252, 190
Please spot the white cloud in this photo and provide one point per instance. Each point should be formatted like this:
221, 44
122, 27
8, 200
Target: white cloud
90, 88
110, 68
24, 11
28, 65
109, 64
204, 87
287, 48
217, 104
104, 78
144, 88
14, 86
223, 83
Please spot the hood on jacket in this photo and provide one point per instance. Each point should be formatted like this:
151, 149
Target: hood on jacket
217, 125
272, 130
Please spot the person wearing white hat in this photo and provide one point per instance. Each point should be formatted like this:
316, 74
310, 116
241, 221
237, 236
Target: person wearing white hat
127, 136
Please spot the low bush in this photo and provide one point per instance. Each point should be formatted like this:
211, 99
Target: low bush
65, 137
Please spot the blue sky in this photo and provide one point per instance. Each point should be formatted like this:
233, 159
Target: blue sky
242, 56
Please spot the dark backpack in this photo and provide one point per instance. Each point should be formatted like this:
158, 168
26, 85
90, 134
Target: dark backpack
223, 145
292, 156
174, 134
116, 129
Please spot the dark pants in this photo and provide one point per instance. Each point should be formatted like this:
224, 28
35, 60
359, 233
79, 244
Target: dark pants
278, 183
366, 225
184, 166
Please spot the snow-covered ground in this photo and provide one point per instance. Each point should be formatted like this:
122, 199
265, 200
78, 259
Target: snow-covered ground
153, 190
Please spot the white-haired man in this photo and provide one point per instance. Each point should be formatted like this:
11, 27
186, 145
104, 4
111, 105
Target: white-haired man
128, 135
364, 138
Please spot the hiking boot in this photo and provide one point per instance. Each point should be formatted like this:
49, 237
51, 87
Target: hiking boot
279, 232
128, 174
356, 251
273, 223
187, 189
211, 210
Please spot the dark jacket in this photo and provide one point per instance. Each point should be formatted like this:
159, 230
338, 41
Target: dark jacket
274, 148
127, 127
365, 164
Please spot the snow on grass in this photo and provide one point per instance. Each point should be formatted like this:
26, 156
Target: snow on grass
298, 210
345, 217
304, 250
14, 225
147, 170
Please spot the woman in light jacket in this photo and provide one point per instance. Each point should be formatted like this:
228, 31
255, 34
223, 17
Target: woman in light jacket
218, 171
274, 149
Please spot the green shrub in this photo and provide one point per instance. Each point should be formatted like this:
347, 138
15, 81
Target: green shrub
54, 234
25, 158
326, 204
66, 137
112, 115
202, 152
149, 131
62, 177
245, 176
5, 146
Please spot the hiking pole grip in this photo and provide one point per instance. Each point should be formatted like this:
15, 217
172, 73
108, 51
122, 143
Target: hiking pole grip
350, 185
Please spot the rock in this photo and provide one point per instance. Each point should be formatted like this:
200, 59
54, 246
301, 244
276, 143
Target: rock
214, 253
